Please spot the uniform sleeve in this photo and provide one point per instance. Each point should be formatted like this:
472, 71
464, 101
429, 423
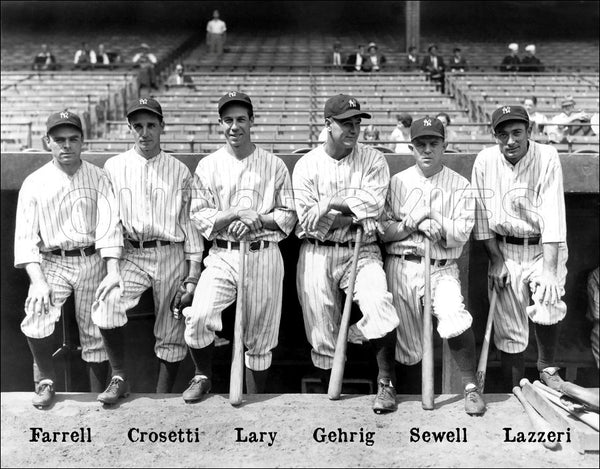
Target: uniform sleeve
27, 238
203, 209
109, 233
552, 209
482, 229
193, 245
463, 217
284, 213
593, 291
369, 200
388, 217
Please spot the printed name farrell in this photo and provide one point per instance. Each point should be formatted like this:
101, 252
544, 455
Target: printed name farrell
82, 435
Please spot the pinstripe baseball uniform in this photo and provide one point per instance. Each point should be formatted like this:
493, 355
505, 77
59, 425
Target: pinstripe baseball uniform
153, 197
260, 182
593, 310
525, 200
451, 196
362, 179
57, 211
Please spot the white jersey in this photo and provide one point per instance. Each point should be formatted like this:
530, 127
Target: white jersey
216, 26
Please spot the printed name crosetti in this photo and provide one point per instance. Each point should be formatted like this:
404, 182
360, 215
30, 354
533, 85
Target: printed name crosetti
180, 435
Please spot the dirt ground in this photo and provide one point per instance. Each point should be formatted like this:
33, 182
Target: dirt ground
294, 417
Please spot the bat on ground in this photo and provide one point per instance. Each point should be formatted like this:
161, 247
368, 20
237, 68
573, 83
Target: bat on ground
538, 423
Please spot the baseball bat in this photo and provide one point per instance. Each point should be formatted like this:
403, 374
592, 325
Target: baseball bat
236, 381
485, 347
427, 338
339, 359
586, 396
538, 423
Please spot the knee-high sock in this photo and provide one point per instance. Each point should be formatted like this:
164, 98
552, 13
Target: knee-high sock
462, 348
167, 373
42, 350
256, 381
98, 373
546, 338
202, 358
325, 376
384, 352
114, 343
513, 369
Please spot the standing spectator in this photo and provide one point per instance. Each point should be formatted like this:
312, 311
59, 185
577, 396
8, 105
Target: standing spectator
433, 65
511, 62
355, 61
101, 57
530, 62
179, 78
84, 57
558, 127
146, 60
44, 60
402, 134
450, 135
335, 58
537, 120
412, 59
458, 63
375, 60
216, 31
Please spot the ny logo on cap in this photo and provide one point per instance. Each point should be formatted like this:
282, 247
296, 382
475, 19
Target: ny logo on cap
143, 101
352, 103
427, 122
232, 94
506, 110
64, 115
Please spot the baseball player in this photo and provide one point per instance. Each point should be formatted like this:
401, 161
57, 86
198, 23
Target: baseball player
521, 219
162, 249
429, 200
241, 192
64, 227
338, 185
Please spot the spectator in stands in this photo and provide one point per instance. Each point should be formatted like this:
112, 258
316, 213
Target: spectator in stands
145, 60
537, 120
402, 134
44, 60
530, 62
102, 59
511, 62
179, 78
558, 130
355, 61
84, 57
371, 133
458, 63
433, 65
216, 31
375, 60
451, 136
335, 57
412, 59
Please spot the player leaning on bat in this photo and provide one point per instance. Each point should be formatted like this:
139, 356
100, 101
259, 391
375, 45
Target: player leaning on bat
429, 200
241, 192
337, 186
521, 219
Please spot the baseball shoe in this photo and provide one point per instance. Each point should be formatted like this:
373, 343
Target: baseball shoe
385, 401
551, 378
44, 394
474, 403
199, 386
117, 388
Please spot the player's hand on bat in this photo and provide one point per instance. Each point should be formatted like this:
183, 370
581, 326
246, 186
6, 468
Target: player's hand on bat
498, 273
250, 218
316, 212
39, 298
545, 288
371, 227
238, 229
183, 298
431, 229
110, 281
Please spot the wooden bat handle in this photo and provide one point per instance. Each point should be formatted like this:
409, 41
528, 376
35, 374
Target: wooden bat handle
427, 339
538, 423
339, 359
236, 379
485, 347
587, 396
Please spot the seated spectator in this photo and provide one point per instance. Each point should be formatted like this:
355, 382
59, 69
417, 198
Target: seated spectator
102, 58
402, 134
371, 133
458, 63
530, 62
433, 65
558, 130
451, 136
44, 60
511, 62
537, 120
179, 78
84, 57
335, 58
146, 60
355, 61
412, 59
375, 60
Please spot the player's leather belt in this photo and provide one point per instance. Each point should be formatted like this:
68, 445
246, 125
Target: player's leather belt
87, 251
318, 242
149, 244
419, 259
521, 241
252, 246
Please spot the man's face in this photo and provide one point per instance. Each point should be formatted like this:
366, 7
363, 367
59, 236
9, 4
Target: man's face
179, 70
216, 14
568, 109
428, 152
146, 128
236, 124
513, 139
433, 51
344, 132
65, 143
528, 105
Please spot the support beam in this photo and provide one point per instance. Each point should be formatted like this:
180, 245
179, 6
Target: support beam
413, 24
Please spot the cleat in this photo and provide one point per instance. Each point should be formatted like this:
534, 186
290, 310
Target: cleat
550, 377
199, 386
474, 403
385, 401
44, 394
117, 388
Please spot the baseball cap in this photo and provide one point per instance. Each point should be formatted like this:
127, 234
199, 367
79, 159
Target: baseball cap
235, 96
144, 104
63, 118
428, 126
343, 106
509, 113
